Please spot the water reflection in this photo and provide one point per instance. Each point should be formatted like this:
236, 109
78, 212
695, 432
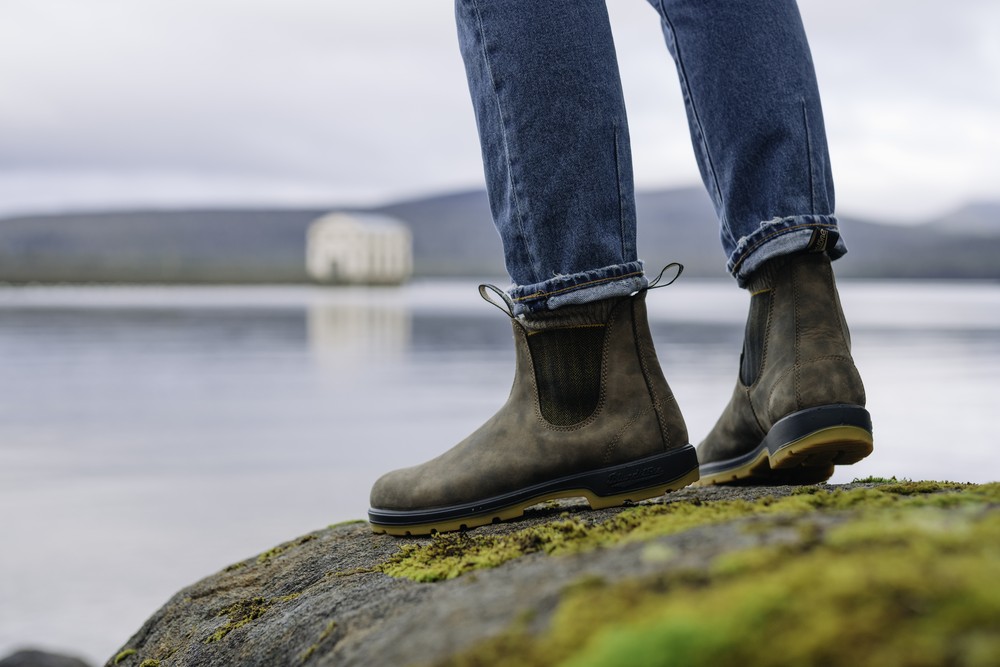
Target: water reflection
165, 433
341, 335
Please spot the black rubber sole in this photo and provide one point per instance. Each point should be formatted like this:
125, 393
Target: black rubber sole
606, 487
801, 448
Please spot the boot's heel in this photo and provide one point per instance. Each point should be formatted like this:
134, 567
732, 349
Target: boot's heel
801, 448
829, 434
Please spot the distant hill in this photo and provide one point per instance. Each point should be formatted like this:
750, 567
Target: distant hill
980, 218
156, 246
452, 235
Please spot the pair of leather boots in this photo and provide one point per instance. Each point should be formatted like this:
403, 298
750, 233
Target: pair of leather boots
591, 415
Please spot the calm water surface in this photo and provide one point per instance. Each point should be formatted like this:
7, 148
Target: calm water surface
151, 436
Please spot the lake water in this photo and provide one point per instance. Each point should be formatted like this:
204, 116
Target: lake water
151, 436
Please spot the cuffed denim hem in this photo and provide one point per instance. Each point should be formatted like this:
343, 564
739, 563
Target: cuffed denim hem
577, 288
781, 236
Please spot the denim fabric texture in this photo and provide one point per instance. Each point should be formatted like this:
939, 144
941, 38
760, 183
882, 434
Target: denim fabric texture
554, 134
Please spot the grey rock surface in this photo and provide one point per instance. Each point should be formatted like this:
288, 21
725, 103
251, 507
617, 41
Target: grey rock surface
316, 601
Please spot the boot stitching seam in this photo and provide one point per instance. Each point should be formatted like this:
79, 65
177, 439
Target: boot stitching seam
767, 338
611, 446
798, 339
761, 372
756, 417
845, 331
828, 357
654, 399
532, 332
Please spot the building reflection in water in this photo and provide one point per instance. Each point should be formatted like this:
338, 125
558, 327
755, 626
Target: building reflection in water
346, 334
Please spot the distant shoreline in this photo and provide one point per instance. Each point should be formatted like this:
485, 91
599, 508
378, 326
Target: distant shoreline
453, 237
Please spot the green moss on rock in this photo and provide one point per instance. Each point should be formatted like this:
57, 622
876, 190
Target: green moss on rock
123, 655
902, 583
453, 554
282, 548
243, 612
270, 553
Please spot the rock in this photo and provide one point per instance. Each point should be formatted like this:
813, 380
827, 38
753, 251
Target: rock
327, 598
33, 658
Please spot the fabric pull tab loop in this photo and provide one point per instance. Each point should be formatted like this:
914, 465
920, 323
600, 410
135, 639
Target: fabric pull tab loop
487, 291
656, 281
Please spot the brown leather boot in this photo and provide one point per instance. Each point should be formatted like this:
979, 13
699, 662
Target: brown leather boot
798, 408
590, 414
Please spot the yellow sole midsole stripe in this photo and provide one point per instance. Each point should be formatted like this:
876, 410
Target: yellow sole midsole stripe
516, 510
845, 438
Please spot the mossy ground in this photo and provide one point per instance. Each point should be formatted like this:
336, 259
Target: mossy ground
452, 554
909, 576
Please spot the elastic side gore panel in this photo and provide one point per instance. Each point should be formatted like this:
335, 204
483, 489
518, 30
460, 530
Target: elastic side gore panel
568, 372
753, 338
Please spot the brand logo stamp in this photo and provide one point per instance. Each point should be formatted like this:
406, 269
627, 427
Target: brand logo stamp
633, 476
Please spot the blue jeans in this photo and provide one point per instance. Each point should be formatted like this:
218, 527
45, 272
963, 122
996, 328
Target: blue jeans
548, 101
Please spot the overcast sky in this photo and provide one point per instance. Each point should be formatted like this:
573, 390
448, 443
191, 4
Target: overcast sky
112, 103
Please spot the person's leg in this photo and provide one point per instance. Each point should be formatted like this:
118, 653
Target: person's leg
756, 124
757, 127
554, 136
590, 413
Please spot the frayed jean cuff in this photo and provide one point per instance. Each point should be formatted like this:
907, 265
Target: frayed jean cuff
577, 288
782, 236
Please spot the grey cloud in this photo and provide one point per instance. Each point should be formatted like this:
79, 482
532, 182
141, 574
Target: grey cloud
367, 100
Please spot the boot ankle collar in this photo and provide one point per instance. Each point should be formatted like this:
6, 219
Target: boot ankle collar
767, 275
594, 313
584, 314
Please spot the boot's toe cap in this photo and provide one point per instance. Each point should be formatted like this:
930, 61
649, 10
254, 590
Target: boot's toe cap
408, 489
390, 491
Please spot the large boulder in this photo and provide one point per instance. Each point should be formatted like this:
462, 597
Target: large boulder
566, 582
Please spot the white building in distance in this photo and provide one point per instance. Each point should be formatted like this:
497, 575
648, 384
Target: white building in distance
359, 249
